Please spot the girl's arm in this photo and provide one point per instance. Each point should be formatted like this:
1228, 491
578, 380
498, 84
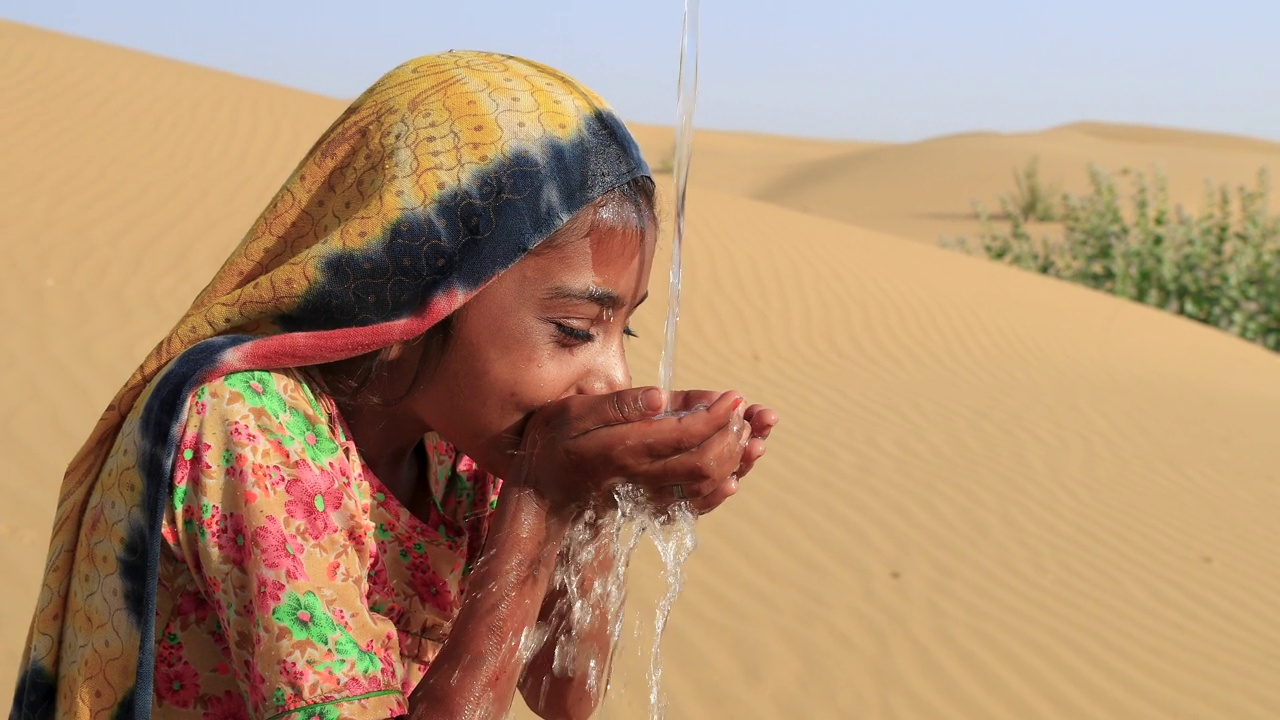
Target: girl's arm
577, 695
475, 674
569, 451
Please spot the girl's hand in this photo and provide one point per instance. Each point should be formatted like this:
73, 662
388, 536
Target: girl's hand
762, 421
577, 449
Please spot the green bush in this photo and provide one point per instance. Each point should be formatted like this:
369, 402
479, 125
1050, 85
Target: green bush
1220, 266
1031, 199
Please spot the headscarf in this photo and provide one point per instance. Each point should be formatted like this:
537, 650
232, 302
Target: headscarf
444, 173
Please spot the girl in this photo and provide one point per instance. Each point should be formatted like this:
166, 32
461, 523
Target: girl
339, 486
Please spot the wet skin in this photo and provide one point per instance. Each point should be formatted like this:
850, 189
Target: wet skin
533, 384
543, 347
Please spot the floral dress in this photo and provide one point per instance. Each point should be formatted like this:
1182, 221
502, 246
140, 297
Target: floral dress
292, 584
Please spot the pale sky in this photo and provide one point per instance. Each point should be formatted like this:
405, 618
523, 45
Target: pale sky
874, 70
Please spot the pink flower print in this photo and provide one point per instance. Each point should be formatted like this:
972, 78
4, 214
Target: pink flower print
466, 465
267, 593
257, 684
299, 674
170, 650
313, 496
191, 456
210, 520
443, 451
242, 434
378, 576
276, 478
192, 604
356, 537
266, 478
390, 678
432, 588
342, 469
228, 706
278, 550
360, 686
218, 635
232, 540
177, 684
234, 474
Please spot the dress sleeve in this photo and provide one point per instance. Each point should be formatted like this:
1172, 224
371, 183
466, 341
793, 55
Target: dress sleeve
272, 520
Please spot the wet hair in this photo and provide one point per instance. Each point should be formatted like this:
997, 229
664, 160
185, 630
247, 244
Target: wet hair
628, 209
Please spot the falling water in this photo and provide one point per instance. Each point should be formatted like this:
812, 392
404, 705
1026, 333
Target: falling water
676, 538
686, 96
617, 530
675, 533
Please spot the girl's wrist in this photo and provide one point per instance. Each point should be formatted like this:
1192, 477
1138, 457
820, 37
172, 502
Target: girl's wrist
528, 483
525, 510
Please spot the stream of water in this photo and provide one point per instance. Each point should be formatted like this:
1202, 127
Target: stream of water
616, 531
686, 97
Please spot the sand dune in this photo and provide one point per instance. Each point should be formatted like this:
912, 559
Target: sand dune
995, 495
926, 190
741, 163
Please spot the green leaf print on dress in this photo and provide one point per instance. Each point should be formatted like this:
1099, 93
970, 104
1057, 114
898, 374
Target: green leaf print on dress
259, 390
314, 439
305, 617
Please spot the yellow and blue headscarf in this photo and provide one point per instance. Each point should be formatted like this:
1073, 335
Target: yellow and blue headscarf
444, 173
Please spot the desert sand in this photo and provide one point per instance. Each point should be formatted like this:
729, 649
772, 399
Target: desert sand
993, 495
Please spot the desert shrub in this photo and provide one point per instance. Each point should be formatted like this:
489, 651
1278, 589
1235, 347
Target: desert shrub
665, 164
1220, 266
1032, 199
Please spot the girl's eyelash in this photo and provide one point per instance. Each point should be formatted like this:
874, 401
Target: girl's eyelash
574, 333
579, 335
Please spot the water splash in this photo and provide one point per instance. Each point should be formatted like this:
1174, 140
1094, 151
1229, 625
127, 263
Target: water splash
612, 534
675, 536
597, 534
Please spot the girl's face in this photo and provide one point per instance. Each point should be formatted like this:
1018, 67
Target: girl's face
553, 325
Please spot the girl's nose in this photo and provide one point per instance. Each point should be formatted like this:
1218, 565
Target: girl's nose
611, 374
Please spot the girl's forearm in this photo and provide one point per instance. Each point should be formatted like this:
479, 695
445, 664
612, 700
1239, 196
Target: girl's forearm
575, 696
474, 676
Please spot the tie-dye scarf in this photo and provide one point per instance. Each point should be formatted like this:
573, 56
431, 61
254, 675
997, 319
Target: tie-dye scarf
440, 176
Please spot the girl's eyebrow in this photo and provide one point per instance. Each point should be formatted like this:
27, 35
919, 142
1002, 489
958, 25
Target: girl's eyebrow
604, 297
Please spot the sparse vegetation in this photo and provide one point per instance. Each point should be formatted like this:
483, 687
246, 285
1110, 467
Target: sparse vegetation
1220, 266
666, 163
1031, 199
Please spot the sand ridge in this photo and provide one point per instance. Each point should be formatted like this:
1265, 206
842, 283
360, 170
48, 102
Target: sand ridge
994, 494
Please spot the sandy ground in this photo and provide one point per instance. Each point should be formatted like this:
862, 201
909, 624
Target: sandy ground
994, 495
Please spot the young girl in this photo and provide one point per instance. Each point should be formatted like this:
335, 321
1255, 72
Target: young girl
339, 486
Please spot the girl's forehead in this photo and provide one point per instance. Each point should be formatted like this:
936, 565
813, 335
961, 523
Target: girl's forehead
604, 256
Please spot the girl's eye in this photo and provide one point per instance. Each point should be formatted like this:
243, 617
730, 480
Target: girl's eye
629, 332
574, 334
